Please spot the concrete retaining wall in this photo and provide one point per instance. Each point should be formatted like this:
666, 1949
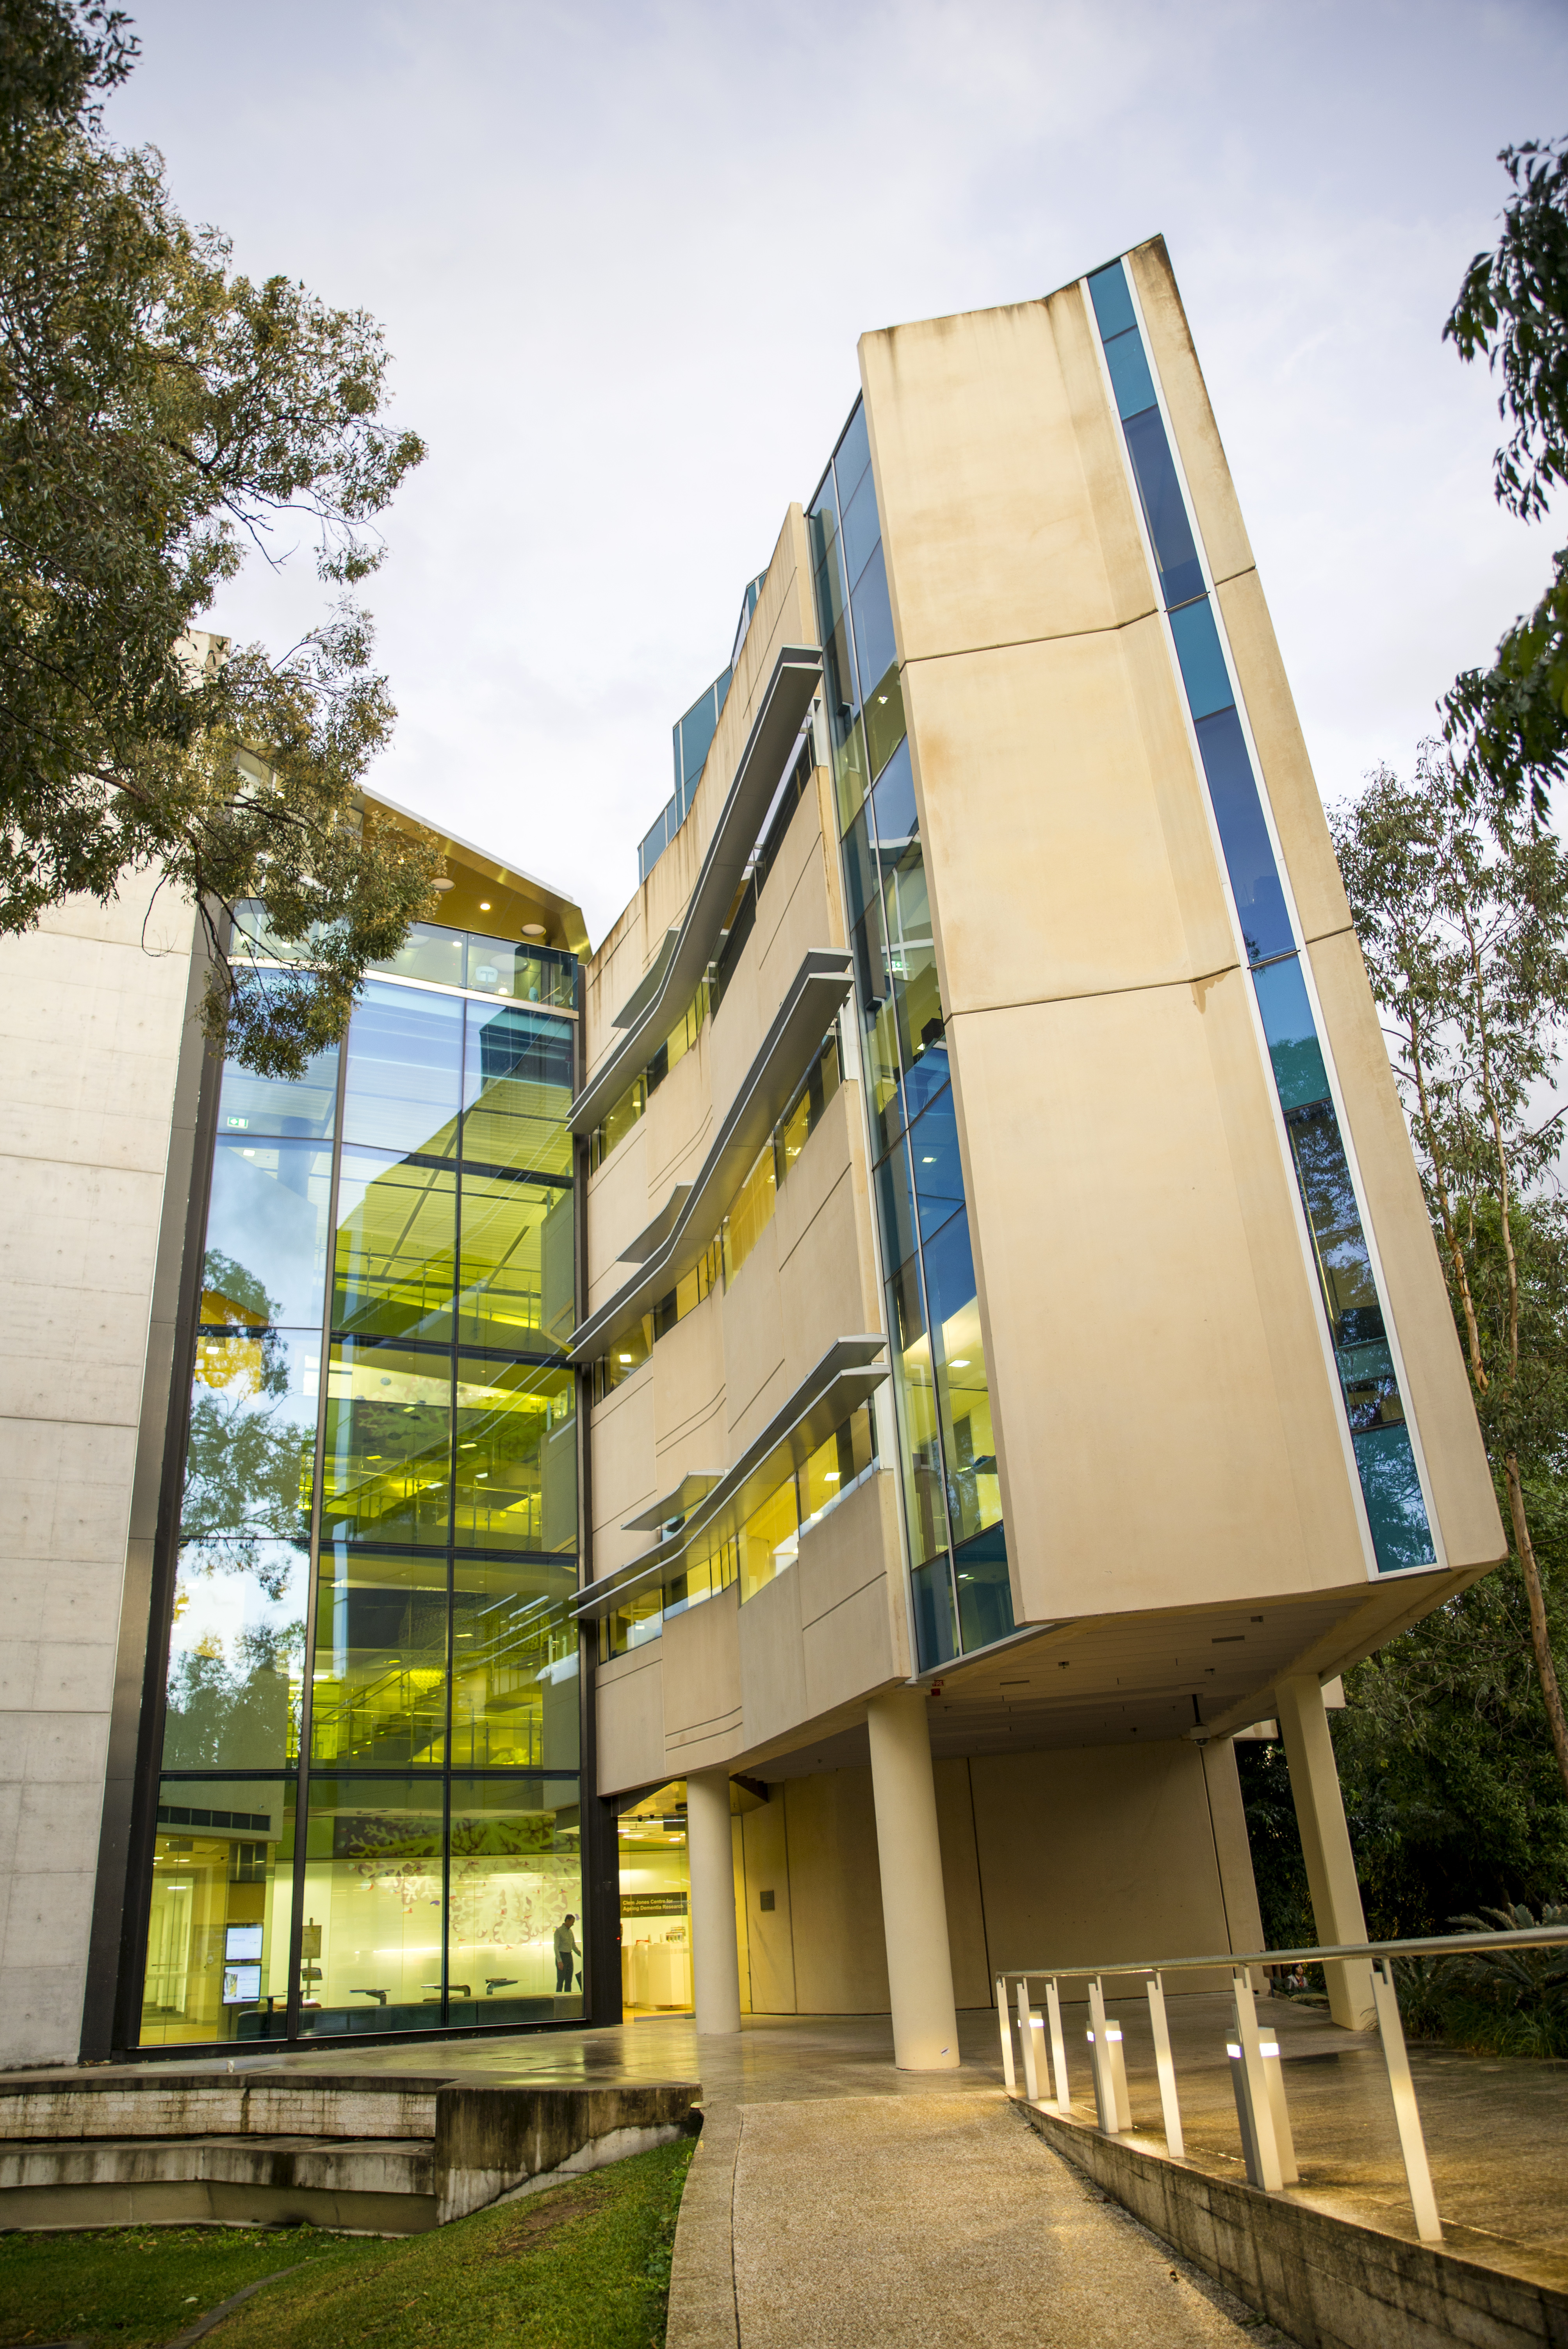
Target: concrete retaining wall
387, 2157
1330, 2282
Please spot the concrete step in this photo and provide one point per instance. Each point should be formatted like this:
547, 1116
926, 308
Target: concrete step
367, 2153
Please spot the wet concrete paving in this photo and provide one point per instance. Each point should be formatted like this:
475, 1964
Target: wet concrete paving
1495, 2128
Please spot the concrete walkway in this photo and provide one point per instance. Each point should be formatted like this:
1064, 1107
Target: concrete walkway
830, 2187
850, 2221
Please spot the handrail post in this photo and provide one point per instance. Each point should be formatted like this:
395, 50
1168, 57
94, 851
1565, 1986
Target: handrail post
1254, 2104
1058, 2045
1164, 2065
1111, 2105
1028, 2025
1407, 2114
1005, 2027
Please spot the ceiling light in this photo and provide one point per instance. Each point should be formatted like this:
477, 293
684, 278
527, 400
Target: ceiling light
533, 929
831, 1476
962, 1364
929, 1162
484, 904
443, 885
622, 1357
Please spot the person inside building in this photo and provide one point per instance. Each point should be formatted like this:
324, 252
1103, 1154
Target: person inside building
567, 1951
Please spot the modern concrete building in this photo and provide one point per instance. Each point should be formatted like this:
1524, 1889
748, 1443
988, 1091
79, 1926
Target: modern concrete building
837, 1406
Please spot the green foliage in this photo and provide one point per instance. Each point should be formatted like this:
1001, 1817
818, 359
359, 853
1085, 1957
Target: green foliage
1513, 2003
159, 414
576, 2268
585, 2266
1509, 724
137, 2287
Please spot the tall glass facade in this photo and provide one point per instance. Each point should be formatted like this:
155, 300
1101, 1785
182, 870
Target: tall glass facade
368, 1818
1391, 1485
953, 1506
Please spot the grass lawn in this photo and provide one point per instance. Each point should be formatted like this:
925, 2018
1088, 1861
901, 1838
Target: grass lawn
585, 2266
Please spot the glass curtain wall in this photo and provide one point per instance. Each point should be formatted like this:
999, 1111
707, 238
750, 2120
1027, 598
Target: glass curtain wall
953, 1507
368, 1818
1391, 1485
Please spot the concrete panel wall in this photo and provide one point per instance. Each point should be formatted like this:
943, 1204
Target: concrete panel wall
1047, 1858
1137, 1230
92, 1017
629, 1693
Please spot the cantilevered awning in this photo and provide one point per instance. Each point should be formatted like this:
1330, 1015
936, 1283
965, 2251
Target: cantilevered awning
668, 1251
797, 674
849, 1371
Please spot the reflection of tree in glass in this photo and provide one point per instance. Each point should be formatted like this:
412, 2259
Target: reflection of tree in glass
247, 1463
1337, 1239
234, 1716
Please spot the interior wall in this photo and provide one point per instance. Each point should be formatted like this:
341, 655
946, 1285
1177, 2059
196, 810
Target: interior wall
1094, 1853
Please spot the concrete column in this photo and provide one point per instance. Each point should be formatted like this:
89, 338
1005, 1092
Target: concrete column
1325, 1845
715, 1963
914, 1911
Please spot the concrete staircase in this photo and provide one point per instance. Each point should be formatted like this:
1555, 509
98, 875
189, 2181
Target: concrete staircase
369, 2153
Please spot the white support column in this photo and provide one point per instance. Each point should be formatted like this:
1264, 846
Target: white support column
716, 1962
914, 1907
1325, 1845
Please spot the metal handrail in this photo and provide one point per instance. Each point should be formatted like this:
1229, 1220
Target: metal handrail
1436, 1945
1261, 2108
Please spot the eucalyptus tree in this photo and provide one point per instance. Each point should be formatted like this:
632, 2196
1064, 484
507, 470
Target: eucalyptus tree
1508, 724
1461, 907
160, 414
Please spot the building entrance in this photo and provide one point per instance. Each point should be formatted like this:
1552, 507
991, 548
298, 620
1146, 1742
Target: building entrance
655, 1905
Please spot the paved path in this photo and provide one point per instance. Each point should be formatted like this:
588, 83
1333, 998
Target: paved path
1494, 2129
853, 2221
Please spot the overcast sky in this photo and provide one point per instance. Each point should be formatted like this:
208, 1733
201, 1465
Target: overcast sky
624, 255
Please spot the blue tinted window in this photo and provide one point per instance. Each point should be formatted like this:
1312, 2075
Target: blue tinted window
1395, 1509
266, 1232
696, 729
929, 1069
303, 1105
1181, 572
862, 528
1249, 854
874, 647
933, 1146
1112, 302
860, 868
897, 1213
853, 455
405, 1053
1130, 375
1204, 670
1288, 1024
894, 799
985, 1593
949, 1269
934, 1631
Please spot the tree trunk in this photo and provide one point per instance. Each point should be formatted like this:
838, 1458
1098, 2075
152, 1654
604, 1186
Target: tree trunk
1546, 1669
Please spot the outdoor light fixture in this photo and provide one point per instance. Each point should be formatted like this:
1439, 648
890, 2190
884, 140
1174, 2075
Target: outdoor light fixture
443, 885
484, 904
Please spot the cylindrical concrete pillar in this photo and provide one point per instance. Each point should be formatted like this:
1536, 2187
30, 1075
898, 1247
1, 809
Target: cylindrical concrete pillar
1336, 1909
716, 1962
915, 1910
